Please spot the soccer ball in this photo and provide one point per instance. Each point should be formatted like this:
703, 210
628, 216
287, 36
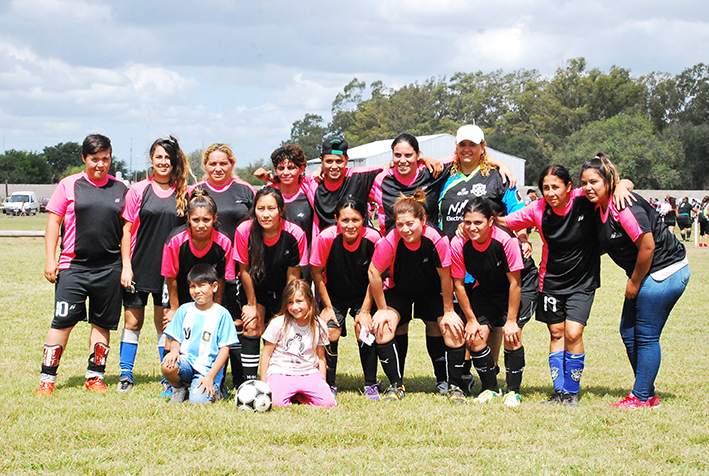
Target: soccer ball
254, 395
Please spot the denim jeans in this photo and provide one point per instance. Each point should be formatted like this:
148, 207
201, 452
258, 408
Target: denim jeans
641, 325
190, 377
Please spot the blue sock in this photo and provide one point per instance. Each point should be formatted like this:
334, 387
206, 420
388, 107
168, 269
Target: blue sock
556, 365
128, 351
161, 352
574, 367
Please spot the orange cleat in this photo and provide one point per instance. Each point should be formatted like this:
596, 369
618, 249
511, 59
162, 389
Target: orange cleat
45, 388
96, 385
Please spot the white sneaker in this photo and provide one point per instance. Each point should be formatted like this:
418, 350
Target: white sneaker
179, 395
486, 396
512, 399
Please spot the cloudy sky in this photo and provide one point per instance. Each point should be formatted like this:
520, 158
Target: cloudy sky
241, 72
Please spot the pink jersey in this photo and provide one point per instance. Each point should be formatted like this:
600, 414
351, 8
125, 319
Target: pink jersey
134, 202
288, 229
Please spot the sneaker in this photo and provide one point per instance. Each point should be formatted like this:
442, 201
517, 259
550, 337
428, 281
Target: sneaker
486, 396
45, 388
394, 394
467, 384
570, 399
178, 395
124, 385
442, 387
631, 401
557, 397
455, 395
96, 385
512, 399
333, 389
654, 402
372, 392
167, 391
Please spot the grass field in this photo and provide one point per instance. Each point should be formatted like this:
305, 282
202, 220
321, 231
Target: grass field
75, 432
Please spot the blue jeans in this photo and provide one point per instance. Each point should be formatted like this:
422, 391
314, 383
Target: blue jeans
641, 325
190, 377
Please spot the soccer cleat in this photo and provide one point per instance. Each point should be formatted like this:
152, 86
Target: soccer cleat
167, 391
570, 399
557, 397
333, 389
512, 399
631, 401
486, 396
372, 392
394, 394
655, 400
178, 395
96, 384
45, 388
467, 384
125, 384
456, 395
442, 387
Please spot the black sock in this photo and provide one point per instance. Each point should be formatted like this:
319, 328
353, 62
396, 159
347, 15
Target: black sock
389, 358
514, 366
436, 347
237, 371
402, 346
368, 358
331, 360
455, 361
487, 370
250, 356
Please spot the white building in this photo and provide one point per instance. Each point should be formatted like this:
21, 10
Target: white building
438, 146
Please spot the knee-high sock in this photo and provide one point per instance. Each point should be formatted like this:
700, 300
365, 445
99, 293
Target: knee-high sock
558, 371
402, 346
237, 371
436, 347
368, 358
574, 364
250, 347
484, 364
514, 367
389, 358
128, 351
455, 361
161, 346
331, 361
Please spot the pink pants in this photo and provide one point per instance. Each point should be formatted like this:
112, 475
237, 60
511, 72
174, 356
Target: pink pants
311, 389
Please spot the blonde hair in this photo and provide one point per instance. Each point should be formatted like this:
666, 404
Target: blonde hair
294, 287
605, 168
484, 163
222, 148
411, 204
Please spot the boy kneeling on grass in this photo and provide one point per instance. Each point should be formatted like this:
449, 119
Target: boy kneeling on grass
198, 337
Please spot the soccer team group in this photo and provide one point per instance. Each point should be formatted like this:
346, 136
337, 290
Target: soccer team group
229, 267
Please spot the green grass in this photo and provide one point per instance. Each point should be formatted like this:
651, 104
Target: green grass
36, 222
76, 432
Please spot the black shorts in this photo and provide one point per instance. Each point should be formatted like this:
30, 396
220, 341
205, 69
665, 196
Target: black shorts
139, 299
103, 289
684, 222
669, 221
232, 298
704, 227
428, 308
270, 300
555, 308
491, 310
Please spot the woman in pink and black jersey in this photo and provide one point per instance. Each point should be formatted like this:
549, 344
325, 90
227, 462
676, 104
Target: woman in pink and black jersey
234, 199
569, 272
340, 263
656, 264
85, 210
154, 207
419, 285
270, 251
493, 257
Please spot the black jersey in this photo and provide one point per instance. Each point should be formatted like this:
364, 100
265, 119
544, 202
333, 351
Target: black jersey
357, 183
618, 231
234, 201
300, 211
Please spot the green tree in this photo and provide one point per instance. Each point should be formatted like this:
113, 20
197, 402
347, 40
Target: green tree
24, 167
194, 158
694, 141
62, 156
630, 143
247, 173
308, 133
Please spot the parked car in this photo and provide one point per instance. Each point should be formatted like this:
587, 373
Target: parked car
43, 204
19, 202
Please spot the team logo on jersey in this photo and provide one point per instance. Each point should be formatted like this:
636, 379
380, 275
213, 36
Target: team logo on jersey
300, 215
479, 189
425, 260
118, 200
576, 375
581, 217
615, 235
206, 336
463, 192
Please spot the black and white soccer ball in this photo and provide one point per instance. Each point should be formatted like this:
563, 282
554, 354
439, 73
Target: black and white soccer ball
254, 395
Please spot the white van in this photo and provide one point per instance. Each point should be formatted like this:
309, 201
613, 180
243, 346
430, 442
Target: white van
19, 201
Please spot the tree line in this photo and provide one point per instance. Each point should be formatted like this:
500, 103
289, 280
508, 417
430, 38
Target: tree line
654, 127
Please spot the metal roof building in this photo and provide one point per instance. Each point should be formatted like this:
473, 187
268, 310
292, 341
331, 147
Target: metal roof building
438, 146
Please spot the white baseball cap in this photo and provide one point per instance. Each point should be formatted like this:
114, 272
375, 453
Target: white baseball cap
470, 132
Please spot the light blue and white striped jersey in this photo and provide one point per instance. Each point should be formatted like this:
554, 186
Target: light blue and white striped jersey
201, 334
